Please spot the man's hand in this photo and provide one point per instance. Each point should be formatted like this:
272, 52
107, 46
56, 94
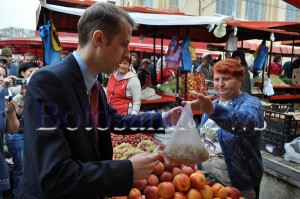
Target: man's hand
8, 81
203, 103
172, 116
143, 165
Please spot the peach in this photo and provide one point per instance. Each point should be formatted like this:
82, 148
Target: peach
175, 171
233, 192
165, 177
140, 184
166, 190
197, 180
187, 170
161, 156
195, 168
168, 166
209, 182
152, 180
181, 182
221, 193
179, 195
193, 194
119, 197
151, 192
134, 193
158, 169
206, 192
199, 171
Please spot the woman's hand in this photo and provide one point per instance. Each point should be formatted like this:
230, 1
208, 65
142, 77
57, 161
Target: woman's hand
203, 102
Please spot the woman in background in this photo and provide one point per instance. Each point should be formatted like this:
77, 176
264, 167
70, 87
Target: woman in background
124, 90
275, 67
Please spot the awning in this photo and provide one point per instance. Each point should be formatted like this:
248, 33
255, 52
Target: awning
249, 46
295, 3
69, 42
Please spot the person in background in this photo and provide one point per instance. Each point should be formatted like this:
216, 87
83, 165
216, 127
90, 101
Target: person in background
152, 70
29, 57
205, 67
68, 123
2, 61
167, 73
287, 68
12, 68
15, 142
159, 63
63, 55
235, 119
239, 56
275, 68
227, 55
124, 90
135, 64
8, 123
144, 74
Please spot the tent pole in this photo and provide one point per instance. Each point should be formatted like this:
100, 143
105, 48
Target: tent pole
185, 72
161, 57
154, 62
293, 49
270, 59
177, 71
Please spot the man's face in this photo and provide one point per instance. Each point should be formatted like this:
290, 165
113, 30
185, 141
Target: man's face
117, 51
8, 58
29, 59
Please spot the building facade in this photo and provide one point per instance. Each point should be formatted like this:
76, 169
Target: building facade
261, 10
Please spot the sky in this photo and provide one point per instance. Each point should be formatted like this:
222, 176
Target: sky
18, 13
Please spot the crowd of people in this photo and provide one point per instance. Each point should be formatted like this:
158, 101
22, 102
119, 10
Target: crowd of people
45, 118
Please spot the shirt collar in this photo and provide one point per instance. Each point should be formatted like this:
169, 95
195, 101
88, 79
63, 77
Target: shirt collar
88, 77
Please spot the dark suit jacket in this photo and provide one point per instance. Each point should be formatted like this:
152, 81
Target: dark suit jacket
61, 157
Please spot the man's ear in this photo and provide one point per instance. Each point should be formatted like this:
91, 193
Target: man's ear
99, 38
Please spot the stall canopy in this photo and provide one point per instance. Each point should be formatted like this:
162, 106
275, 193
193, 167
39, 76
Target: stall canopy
163, 25
295, 3
248, 46
69, 42
166, 25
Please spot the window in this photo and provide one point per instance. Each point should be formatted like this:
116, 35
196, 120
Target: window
291, 13
147, 3
174, 3
255, 10
227, 7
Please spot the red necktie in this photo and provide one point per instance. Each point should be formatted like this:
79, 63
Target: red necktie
94, 106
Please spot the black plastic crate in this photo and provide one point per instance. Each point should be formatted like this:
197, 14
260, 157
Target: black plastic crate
281, 123
278, 107
273, 142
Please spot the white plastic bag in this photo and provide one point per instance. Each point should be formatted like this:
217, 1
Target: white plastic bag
268, 88
292, 150
185, 145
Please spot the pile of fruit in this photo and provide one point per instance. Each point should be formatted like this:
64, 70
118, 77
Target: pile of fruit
195, 81
126, 150
134, 139
179, 182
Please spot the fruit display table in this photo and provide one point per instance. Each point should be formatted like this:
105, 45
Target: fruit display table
281, 178
166, 102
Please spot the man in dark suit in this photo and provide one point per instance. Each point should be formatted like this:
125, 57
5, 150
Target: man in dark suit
64, 157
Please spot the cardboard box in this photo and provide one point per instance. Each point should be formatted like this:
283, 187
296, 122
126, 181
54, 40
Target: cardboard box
296, 77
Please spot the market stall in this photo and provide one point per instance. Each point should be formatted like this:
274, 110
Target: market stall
165, 30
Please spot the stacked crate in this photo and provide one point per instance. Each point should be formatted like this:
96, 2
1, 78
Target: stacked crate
281, 128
